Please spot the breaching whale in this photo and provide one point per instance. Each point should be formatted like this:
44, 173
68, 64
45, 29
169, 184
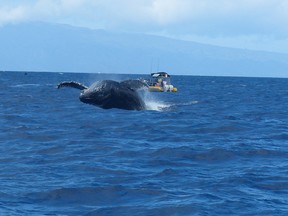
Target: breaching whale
109, 94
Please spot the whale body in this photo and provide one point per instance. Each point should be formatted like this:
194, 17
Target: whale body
109, 94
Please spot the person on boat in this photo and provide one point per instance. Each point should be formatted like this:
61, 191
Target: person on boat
163, 83
159, 82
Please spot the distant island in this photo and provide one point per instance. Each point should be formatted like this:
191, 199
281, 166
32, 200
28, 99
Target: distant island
39, 46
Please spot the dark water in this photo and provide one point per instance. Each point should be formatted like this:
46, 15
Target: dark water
217, 147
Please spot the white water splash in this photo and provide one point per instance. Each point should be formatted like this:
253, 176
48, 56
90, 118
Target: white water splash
152, 102
156, 105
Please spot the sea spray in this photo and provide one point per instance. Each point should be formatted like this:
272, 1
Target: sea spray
153, 101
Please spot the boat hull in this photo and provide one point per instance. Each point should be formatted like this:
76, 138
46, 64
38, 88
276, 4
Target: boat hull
160, 89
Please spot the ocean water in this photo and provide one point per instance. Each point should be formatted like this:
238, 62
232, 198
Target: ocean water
219, 146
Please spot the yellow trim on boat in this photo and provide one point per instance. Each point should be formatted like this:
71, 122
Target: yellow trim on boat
159, 89
155, 89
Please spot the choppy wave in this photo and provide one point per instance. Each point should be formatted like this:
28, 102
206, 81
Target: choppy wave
218, 147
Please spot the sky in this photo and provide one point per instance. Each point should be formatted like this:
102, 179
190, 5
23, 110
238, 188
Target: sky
249, 24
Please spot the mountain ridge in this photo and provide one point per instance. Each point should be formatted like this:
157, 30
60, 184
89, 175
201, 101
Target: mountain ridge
63, 48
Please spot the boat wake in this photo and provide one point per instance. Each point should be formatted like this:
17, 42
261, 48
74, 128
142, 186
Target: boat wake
189, 103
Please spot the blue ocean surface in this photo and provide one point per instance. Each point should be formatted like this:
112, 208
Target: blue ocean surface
219, 146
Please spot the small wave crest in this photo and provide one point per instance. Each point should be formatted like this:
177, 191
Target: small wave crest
141, 210
25, 85
215, 154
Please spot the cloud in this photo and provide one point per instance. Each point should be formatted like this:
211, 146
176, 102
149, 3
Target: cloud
223, 17
205, 17
8, 15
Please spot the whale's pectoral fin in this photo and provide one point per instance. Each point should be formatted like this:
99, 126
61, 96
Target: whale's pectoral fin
72, 84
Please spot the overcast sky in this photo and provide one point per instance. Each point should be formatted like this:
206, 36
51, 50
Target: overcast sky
251, 24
